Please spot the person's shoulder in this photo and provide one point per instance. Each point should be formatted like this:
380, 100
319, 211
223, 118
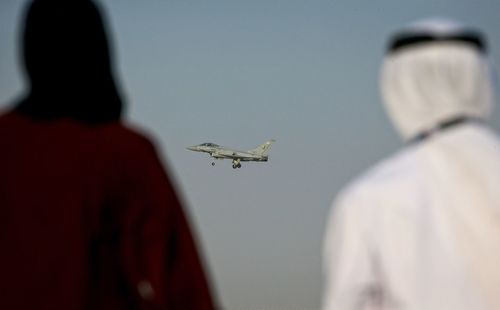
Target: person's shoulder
125, 135
390, 174
369, 194
7, 117
125, 144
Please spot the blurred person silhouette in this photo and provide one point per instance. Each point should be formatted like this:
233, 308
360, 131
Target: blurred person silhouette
88, 216
421, 230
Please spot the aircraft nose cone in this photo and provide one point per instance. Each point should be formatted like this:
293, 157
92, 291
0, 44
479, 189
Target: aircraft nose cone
191, 148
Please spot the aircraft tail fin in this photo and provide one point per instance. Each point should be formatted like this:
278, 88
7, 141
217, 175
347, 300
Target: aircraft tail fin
263, 149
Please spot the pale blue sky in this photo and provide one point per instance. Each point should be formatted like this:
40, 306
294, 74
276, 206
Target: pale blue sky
237, 73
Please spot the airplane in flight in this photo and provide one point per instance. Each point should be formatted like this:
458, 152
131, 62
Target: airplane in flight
260, 153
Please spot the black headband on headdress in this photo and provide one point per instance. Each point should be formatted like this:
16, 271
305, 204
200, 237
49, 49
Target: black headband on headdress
407, 39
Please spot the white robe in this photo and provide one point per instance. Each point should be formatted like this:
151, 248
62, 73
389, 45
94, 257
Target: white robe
420, 231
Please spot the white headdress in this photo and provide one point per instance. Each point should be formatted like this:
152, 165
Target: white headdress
435, 70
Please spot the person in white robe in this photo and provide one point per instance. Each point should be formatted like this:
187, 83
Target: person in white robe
421, 229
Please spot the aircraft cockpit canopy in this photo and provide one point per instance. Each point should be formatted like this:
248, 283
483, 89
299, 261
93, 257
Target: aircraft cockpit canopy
209, 144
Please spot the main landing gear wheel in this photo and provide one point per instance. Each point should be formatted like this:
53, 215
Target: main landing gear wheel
236, 163
213, 163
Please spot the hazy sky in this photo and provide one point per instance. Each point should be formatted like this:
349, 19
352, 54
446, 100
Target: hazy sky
240, 72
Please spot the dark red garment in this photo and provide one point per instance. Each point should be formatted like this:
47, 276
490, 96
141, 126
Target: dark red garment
89, 220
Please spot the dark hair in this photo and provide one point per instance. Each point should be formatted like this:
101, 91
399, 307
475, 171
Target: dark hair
68, 65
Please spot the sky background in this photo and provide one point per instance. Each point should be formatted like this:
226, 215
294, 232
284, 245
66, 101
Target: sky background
236, 73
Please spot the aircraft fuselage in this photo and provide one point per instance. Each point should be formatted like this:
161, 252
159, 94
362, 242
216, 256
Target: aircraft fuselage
259, 154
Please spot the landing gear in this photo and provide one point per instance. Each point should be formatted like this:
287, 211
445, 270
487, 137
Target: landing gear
213, 163
236, 163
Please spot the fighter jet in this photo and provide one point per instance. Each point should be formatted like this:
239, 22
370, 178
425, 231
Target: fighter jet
260, 153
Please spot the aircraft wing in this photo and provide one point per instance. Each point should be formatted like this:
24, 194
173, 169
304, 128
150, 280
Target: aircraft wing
232, 154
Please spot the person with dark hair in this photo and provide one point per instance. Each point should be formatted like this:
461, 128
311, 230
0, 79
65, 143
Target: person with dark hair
421, 230
88, 216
